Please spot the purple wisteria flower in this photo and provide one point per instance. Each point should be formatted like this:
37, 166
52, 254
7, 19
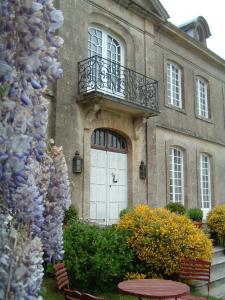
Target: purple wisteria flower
56, 202
21, 269
28, 62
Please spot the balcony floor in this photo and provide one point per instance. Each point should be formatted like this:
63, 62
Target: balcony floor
116, 103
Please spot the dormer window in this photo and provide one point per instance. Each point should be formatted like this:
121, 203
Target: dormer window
200, 35
197, 28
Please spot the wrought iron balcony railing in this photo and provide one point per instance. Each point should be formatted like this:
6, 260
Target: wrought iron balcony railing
103, 75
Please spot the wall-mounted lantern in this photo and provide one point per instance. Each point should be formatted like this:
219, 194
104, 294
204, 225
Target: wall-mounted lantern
77, 163
142, 170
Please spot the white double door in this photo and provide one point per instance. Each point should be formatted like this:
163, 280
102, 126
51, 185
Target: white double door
108, 187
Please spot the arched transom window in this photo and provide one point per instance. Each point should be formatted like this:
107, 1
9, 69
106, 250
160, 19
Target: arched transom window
108, 140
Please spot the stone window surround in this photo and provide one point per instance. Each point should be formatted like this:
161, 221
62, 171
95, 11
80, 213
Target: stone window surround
212, 172
203, 77
178, 63
183, 147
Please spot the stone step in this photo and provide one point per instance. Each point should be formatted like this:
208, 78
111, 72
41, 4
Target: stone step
218, 251
217, 282
218, 266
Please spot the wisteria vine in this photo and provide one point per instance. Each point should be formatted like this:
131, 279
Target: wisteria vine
57, 189
28, 62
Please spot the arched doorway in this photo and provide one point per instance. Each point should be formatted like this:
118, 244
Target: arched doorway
108, 184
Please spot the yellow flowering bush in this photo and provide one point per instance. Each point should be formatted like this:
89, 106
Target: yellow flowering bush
160, 238
216, 222
131, 275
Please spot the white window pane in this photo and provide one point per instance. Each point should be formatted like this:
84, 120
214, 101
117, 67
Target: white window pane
174, 85
205, 181
176, 175
202, 98
94, 42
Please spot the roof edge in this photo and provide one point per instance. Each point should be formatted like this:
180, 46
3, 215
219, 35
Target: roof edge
173, 29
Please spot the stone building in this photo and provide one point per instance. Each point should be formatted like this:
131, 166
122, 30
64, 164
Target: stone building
142, 101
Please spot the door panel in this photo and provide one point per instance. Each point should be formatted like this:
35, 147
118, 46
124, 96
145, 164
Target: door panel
117, 192
108, 186
98, 186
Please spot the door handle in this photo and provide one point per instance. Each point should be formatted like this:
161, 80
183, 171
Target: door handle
114, 178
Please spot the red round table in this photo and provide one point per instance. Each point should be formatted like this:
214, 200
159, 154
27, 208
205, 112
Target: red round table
154, 288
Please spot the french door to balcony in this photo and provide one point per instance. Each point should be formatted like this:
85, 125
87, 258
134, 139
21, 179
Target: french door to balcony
108, 56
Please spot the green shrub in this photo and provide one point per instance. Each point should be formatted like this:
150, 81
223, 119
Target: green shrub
176, 207
216, 223
160, 239
48, 270
70, 215
123, 211
195, 214
97, 258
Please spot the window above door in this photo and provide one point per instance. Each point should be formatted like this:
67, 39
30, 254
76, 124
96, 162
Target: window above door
108, 140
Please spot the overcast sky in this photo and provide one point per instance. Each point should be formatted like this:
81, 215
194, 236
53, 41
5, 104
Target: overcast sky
181, 11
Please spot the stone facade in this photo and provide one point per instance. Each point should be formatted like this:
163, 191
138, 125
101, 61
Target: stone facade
149, 42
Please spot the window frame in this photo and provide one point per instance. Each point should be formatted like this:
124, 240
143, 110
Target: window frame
169, 84
105, 35
209, 182
105, 146
106, 68
199, 114
172, 178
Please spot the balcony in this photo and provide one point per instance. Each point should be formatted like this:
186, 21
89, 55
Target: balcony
116, 87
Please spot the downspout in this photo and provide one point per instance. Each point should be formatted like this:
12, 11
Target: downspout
83, 177
146, 134
146, 123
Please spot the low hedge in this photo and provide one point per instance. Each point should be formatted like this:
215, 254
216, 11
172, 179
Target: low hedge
97, 258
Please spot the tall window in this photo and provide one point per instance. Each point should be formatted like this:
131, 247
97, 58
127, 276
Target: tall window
176, 174
202, 98
205, 181
109, 58
174, 86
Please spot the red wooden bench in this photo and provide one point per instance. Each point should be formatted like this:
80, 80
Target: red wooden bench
62, 284
195, 269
